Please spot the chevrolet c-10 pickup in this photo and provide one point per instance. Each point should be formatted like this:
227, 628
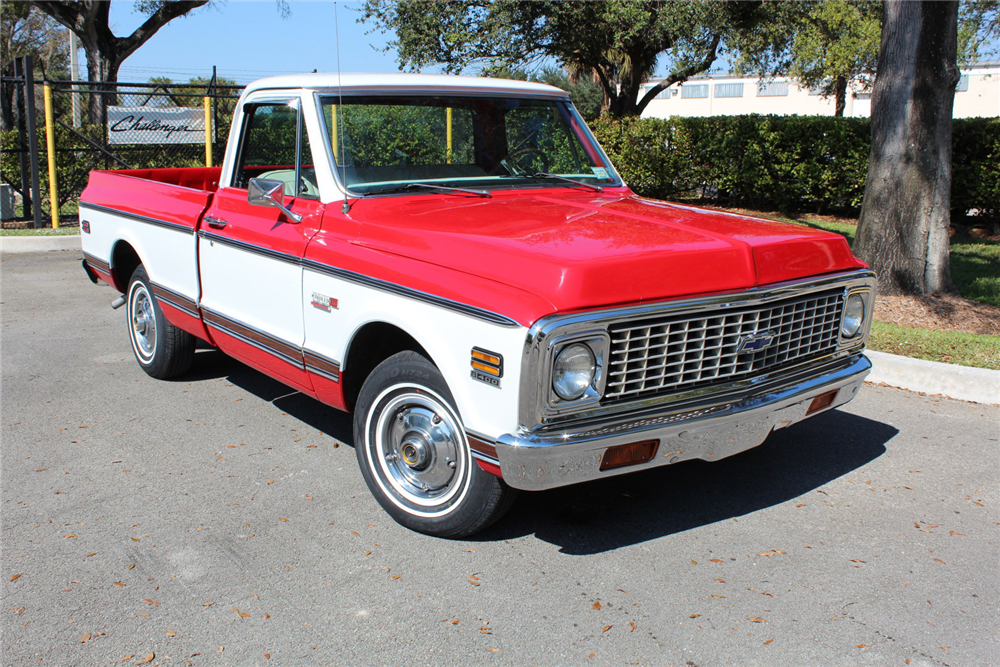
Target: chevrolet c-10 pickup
456, 262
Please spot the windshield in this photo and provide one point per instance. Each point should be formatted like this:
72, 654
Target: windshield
382, 143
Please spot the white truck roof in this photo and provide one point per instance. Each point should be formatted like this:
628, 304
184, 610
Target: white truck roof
404, 82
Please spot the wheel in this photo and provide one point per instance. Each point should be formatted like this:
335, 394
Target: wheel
414, 455
162, 350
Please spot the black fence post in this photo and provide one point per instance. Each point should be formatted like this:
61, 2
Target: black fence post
20, 106
29, 109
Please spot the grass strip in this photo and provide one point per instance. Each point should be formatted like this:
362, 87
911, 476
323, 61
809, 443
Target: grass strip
949, 347
44, 231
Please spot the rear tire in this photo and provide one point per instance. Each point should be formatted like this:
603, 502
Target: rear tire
162, 350
414, 455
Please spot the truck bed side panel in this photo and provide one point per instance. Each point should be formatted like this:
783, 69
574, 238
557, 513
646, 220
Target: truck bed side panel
158, 220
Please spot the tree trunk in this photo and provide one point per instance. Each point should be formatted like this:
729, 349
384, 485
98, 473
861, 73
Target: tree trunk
903, 232
840, 96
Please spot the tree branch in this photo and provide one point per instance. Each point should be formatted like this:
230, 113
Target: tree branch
126, 46
682, 75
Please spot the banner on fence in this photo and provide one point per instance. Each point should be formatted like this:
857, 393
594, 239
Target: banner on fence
156, 125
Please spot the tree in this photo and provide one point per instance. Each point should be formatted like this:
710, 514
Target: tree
827, 46
90, 20
24, 31
978, 29
619, 43
903, 232
586, 95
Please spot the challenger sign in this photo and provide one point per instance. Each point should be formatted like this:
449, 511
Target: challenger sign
156, 125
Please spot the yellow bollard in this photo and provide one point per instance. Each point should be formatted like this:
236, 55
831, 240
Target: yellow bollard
50, 145
208, 131
448, 123
333, 131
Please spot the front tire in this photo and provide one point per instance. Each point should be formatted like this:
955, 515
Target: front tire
414, 456
162, 350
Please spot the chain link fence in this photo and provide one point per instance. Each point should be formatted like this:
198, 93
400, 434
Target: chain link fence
138, 126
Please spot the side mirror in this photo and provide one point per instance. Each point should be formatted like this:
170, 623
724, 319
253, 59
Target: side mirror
262, 192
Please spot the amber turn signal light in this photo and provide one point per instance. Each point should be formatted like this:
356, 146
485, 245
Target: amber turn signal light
631, 454
822, 401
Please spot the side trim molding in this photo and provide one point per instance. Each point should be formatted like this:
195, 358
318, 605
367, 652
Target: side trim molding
173, 226
175, 299
399, 290
320, 365
249, 247
98, 265
285, 351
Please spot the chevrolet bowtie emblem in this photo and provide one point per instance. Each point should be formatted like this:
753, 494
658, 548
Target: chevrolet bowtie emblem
755, 342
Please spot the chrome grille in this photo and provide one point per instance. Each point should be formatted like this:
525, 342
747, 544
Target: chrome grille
689, 351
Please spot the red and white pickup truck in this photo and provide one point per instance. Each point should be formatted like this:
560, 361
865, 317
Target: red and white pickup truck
457, 262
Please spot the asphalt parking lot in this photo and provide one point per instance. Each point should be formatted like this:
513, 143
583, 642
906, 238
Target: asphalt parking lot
222, 520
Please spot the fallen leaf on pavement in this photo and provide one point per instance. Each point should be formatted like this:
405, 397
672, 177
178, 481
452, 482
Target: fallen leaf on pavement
84, 639
16, 576
148, 658
606, 628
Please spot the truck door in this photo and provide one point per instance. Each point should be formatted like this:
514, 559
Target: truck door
250, 255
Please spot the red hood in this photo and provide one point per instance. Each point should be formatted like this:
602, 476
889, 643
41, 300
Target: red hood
581, 250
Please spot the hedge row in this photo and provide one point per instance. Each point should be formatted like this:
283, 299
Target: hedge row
787, 162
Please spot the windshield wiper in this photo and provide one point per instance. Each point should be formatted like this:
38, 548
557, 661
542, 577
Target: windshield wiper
429, 186
556, 177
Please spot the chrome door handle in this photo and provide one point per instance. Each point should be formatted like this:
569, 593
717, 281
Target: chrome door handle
215, 223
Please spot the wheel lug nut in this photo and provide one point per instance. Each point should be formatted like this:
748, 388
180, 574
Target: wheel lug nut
437, 419
451, 464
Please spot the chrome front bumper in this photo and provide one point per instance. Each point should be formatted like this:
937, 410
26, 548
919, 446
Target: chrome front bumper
727, 426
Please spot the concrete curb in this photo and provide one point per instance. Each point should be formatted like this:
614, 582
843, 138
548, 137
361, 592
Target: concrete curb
16, 244
977, 385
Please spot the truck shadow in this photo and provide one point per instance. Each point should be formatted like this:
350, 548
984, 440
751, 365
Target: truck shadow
629, 509
210, 364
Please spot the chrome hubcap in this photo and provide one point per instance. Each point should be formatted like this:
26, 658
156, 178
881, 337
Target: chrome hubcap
143, 322
418, 450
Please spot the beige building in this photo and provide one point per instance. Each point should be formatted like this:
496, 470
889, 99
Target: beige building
977, 94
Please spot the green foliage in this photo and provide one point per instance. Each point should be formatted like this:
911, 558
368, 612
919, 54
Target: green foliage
975, 165
824, 45
789, 162
618, 42
978, 30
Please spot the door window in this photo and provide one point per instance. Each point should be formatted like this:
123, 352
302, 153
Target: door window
276, 147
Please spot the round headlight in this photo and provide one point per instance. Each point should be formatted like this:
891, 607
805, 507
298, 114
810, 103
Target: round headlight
854, 315
573, 371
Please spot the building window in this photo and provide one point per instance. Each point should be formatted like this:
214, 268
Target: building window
963, 84
694, 91
772, 89
729, 90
